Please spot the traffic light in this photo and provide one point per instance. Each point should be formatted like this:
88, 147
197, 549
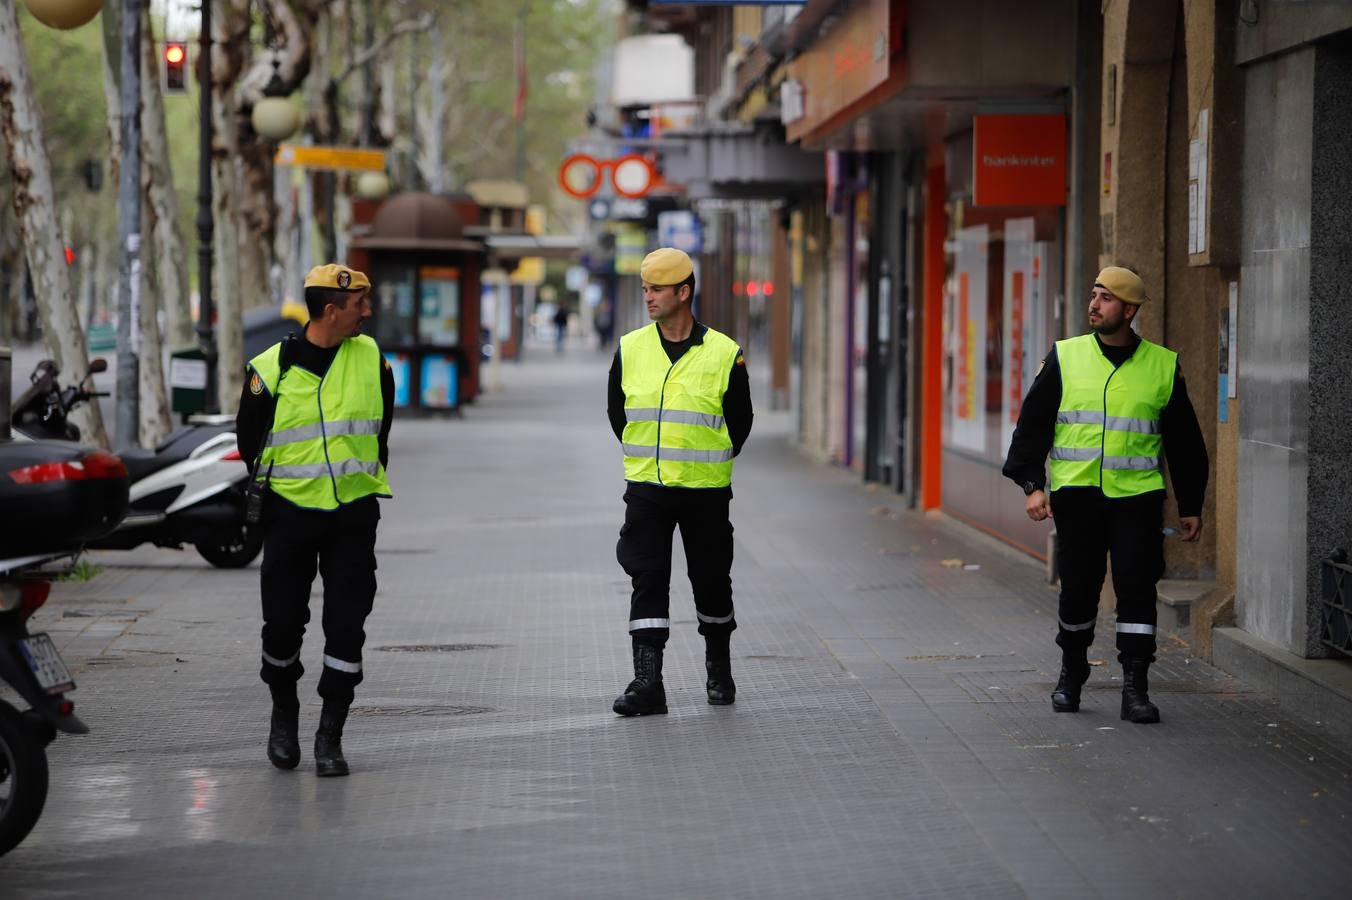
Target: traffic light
175, 67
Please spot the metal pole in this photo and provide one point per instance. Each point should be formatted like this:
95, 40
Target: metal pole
521, 118
128, 421
205, 226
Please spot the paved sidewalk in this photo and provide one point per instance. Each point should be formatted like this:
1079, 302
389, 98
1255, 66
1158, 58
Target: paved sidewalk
892, 735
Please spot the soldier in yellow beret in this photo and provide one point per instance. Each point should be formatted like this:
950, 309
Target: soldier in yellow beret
314, 425
680, 405
1109, 407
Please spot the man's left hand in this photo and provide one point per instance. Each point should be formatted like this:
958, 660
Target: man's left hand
1191, 528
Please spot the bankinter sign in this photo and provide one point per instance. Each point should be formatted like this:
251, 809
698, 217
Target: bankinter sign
1019, 161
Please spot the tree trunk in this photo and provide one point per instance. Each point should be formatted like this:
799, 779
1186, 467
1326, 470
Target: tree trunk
154, 423
21, 128
167, 243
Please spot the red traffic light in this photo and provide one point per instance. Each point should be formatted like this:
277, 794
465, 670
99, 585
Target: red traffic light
175, 67
70, 255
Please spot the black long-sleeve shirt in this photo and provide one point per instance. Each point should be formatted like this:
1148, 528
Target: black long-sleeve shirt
256, 409
737, 413
1184, 448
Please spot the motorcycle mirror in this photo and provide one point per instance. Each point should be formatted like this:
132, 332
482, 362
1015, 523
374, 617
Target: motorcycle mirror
98, 364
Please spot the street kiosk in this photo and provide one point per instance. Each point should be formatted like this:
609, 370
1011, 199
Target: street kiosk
425, 295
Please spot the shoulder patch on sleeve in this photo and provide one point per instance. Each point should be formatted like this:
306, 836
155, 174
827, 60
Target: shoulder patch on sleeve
740, 360
255, 384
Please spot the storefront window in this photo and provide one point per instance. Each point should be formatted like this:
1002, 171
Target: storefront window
1002, 280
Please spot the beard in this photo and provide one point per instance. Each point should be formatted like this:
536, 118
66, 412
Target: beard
1109, 326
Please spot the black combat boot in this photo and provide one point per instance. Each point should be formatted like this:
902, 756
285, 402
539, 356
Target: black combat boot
329, 741
1136, 705
283, 740
645, 695
1074, 673
718, 664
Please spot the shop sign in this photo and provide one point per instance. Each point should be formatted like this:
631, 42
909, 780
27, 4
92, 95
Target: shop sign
843, 67
680, 228
629, 251
356, 159
1019, 160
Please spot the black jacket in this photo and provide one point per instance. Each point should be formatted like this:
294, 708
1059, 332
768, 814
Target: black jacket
737, 413
254, 418
1184, 448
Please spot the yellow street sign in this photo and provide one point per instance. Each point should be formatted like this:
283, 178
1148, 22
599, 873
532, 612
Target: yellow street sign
348, 158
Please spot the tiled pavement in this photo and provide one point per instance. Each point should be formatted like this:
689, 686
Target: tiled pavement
891, 738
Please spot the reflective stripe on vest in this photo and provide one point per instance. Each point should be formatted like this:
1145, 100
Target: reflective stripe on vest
1108, 425
324, 449
675, 434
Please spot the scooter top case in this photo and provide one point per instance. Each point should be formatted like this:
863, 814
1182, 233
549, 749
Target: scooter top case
56, 495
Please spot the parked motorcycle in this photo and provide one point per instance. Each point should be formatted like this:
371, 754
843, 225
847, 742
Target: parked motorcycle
188, 490
54, 497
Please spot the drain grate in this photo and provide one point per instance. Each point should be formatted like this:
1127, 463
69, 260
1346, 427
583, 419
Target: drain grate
419, 711
436, 648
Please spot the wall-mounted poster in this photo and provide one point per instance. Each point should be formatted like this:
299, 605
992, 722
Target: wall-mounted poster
1023, 277
440, 382
399, 367
968, 398
439, 305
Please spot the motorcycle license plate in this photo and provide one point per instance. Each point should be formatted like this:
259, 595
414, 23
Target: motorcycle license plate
47, 665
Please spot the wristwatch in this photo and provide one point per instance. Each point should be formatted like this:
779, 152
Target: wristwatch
1029, 487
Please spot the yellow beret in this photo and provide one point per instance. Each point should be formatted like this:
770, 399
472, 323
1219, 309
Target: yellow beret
1124, 284
666, 265
335, 277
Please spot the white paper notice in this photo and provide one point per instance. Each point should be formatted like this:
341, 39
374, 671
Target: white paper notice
1232, 383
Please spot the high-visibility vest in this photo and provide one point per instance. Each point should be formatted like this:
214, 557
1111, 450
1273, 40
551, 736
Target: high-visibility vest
324, 448
1108, 424
674, 433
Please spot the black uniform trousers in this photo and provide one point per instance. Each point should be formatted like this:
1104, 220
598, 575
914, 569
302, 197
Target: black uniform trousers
651, 514
339, 545
1089, 528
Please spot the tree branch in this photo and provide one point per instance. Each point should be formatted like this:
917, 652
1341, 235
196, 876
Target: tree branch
422, 23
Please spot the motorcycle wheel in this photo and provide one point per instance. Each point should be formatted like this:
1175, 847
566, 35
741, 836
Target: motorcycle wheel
234, 551
23, 778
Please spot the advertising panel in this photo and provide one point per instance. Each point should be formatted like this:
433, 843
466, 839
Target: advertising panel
968, 398
1022, 302
439, 305
440, 383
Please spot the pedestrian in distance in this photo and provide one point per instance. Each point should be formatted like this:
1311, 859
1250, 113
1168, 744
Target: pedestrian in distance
560, 327
1109, 409
314, 423
680, 404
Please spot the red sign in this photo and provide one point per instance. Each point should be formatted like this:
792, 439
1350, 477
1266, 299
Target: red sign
1019, 161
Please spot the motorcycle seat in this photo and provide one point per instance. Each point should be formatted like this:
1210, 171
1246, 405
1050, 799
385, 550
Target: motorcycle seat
141, 463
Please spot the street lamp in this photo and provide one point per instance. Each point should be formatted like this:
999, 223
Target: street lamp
273, 116
64, 14
373, 185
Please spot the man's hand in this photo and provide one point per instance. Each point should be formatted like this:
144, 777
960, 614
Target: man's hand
1191, 528
1038, 507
